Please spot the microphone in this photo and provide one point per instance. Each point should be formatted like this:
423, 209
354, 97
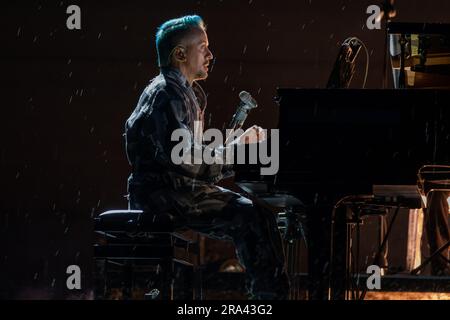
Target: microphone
246, 104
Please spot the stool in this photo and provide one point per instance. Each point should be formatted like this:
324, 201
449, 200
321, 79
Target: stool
133, 245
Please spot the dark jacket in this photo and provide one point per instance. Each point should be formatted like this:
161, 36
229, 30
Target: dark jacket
167, 103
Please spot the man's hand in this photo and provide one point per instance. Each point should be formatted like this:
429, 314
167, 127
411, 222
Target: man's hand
253, 134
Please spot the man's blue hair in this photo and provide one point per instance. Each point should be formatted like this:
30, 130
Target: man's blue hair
171, 32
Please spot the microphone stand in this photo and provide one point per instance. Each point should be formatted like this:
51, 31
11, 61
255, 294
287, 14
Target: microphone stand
231, 133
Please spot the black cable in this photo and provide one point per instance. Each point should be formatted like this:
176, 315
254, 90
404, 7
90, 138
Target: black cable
361, 198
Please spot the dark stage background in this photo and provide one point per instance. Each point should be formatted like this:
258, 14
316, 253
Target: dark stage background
66, 95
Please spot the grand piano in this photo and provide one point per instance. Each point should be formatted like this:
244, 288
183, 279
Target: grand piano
338, 144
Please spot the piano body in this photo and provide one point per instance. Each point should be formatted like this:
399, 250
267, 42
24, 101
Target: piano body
336, 143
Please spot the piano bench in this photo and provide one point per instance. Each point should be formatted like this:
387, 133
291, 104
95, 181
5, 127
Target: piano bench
135, 258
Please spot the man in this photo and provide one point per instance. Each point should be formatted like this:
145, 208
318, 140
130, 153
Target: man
174, 100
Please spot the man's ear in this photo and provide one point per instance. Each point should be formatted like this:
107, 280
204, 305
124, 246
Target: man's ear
180, 54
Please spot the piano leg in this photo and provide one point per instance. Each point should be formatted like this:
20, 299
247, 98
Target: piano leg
339, 252
319, 252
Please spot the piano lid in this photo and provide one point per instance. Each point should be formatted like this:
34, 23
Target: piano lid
346, 140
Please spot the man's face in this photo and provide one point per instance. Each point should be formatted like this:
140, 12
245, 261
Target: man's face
198, 55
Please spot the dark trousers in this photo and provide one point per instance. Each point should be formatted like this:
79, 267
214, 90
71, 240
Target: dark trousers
222, 214
438, 232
